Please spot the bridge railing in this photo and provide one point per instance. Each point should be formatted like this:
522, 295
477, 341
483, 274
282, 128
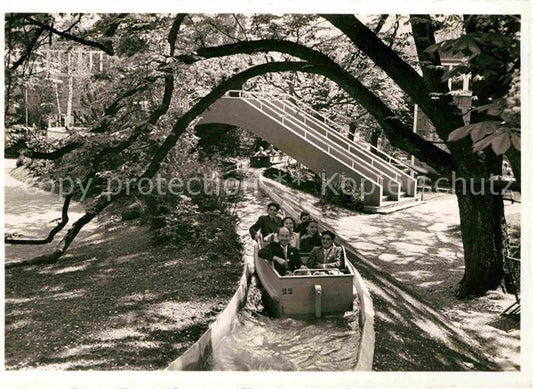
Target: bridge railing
311, 137
389, 158
408, 182
342, 153
321, 118
376, 162
372, 188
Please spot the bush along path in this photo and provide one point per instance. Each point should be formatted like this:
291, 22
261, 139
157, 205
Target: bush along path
122, 298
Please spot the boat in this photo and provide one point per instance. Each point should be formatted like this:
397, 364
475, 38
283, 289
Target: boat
318, 293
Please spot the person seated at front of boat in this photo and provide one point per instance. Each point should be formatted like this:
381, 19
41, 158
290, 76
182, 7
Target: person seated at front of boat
285, 257
267, 224
311, 238
328, 255
288, 222
261, 152
302, 226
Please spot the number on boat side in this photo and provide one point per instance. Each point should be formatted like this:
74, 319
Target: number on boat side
286, 290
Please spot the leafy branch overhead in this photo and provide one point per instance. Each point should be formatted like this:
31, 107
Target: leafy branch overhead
159, 72
490, 49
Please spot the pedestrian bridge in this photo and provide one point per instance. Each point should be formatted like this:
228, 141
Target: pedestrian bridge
318, 143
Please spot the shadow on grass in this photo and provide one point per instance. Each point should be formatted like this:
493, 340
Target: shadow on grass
411, 336
114, 302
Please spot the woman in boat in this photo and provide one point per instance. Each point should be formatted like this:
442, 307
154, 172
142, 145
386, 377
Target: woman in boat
328, 255
285, 257
289, 223
311, 237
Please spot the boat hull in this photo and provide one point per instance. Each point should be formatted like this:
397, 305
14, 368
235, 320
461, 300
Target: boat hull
297, 295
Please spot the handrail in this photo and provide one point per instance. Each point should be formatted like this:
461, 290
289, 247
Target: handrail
359, 141
369, 166
267, 99
317, 146
325, 119
346, 141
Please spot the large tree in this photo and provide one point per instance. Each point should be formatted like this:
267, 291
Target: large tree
490, 45
215, 47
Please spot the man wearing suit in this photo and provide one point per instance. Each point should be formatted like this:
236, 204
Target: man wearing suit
267, 224
327, 256
282, 254
304, 220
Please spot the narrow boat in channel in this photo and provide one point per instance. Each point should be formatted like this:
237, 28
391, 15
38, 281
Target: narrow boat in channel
301, 293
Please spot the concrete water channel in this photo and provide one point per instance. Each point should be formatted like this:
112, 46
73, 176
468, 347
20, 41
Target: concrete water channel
259, 341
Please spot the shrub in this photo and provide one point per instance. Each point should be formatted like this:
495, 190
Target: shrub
308, 182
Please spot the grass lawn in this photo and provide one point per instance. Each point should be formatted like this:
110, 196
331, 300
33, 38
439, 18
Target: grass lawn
115, 301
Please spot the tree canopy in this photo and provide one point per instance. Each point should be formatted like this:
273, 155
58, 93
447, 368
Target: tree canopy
168, 69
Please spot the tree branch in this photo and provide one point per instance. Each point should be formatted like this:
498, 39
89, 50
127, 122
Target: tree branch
399, 134
54, 154
174, 30
109, 111
106, 46
112, 28
381, 22
52, 233
103, 200
38, 32
424, 36
234, 82
441, 112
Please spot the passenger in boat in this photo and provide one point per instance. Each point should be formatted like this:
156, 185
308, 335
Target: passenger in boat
261, 152
288, 222
285, 257
328, 255
311, 237
302, 226
267, 224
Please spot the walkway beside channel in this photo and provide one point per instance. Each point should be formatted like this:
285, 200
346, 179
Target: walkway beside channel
30, 212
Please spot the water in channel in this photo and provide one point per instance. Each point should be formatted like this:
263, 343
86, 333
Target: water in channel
261, 342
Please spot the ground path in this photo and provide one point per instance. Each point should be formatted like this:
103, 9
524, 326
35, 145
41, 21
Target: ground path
114, 301
28, 211
413, 263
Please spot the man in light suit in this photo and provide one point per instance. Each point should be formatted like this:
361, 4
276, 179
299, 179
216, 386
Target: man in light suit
285, 257
267, 224
327, 256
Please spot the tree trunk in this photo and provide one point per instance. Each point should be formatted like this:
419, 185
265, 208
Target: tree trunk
68, 118
515, 159
52, 233
374, 138
100, 204
352, 127
484, 235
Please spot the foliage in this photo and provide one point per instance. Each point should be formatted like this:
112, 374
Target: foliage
221, 142
19, 137
490, 46
203, 222
374, 65
306, 181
